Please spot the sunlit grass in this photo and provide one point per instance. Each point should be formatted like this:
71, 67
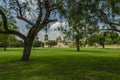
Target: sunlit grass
61, 64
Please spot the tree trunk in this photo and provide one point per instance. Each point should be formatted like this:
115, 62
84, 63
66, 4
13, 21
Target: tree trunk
27, 50
28, 44
102, 42
103, 45
77, 44
5, 48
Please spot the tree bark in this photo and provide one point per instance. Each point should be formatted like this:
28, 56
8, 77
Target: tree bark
102, 42
28, 43
77, 44
27, 50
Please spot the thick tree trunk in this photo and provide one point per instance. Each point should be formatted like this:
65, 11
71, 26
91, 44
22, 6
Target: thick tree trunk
28, 44
27, 50
77, 44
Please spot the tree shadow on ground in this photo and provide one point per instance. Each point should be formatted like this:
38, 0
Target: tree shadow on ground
63, 68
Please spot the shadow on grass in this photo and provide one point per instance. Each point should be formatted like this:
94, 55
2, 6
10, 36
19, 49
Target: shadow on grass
92, 51
14, 49
40, 49
112, 48
21, 49
62, 68
86, 50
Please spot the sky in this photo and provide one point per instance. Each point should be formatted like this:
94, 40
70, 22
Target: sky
53, 33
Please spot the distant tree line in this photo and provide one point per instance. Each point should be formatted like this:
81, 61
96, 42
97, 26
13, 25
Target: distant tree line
51, 43
100, 39
104, 38
12, 42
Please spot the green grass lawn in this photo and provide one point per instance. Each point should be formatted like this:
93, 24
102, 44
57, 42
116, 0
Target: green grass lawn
61, 64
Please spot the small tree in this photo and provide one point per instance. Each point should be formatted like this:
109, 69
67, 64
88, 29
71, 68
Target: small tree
76, 13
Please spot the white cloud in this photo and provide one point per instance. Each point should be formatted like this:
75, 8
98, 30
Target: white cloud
41, 35
58, 25
55, 25
53, 33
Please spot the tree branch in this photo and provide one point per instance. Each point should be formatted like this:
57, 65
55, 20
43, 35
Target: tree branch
14, 33
20, 16
112, 29
49, 21
6, 30
40, 12
20, 11
4, 20
53, 7
112, 23
102, 20
47, 15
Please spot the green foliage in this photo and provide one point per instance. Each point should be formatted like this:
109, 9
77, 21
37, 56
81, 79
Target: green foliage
10, 41
19, 43
82, 43
37, 43
51, 43
3, 9
80, 24
4, 40
113, 38
104, 38
10, 19
92, 40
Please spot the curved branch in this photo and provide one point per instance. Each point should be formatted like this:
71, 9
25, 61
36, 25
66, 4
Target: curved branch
51, 20
26, 20
4, 20
14, 33
114, 29
6, 30
112, 23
